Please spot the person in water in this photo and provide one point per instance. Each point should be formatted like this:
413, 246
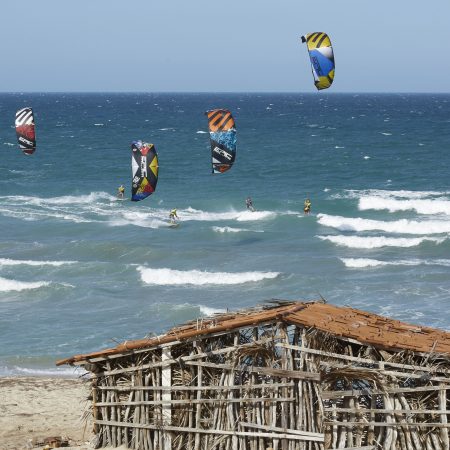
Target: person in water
120, 191
307, 206
173, 215
249, 204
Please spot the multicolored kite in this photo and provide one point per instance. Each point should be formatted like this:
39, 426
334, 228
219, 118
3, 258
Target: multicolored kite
144, 166
222, 133
26, 135
322, 59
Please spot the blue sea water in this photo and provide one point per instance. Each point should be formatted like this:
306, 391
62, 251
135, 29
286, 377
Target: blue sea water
81, 270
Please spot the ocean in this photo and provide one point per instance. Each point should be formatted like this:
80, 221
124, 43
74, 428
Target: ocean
81, 271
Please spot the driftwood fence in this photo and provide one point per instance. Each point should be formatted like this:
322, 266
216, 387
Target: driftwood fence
271, 385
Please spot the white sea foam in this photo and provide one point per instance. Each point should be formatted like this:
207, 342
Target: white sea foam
386, 134
18, 262
388, 194
208, 311
33, 215
63, 373
402, 226
139, 220
421, 206
13, 285
170, 277
360, 263
99, 124
228, 229
377, 241
248, 216
78, 209
202, 132
240, 216
91, 198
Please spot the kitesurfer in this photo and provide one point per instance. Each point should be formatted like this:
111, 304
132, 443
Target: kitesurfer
120, 191
249, 204
173, 215
307, 206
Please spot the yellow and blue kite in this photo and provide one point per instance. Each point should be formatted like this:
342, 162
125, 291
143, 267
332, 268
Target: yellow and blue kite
322, 58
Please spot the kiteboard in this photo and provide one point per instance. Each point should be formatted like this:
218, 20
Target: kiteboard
173, 225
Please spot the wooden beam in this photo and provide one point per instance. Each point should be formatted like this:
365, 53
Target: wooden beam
295, 374
294, 437
240, 387
388, 424
318, 437
328, 395
362, 360
387, 411
177, 361
198, 401
166, 381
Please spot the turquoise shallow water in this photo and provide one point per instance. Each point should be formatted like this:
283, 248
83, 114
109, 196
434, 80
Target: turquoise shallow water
80, 270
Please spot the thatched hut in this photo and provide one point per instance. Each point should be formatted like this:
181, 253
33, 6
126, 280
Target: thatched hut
288, 375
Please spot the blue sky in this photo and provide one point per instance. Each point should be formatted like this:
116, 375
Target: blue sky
207, 46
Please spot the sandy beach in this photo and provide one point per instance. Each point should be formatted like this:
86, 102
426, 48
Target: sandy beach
32, 409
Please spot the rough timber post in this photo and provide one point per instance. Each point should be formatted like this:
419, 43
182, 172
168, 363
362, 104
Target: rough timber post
166, 381
443, 407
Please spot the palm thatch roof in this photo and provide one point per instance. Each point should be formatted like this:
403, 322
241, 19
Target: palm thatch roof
345, 322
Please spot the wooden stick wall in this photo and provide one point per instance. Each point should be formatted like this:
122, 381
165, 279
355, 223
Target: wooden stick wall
273, 386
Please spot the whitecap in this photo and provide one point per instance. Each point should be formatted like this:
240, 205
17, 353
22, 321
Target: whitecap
360, 263
170, 277
402, 226
228, 229
368, 242
240, 216
234, 230
17, 262
208, 311
421, 206
202, 132
13, 285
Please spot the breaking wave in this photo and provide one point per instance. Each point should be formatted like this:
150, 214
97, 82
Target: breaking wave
13, 285
377, 241
402, 226
170, 277
234, 230
360, 263
18, 262
421, 206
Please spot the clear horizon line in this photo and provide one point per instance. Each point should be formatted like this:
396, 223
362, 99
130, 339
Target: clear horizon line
234, 92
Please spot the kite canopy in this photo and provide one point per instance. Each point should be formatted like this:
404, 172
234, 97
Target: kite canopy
26, 136
322, 59
144, 165
222, 133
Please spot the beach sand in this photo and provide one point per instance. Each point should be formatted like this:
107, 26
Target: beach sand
38, 408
